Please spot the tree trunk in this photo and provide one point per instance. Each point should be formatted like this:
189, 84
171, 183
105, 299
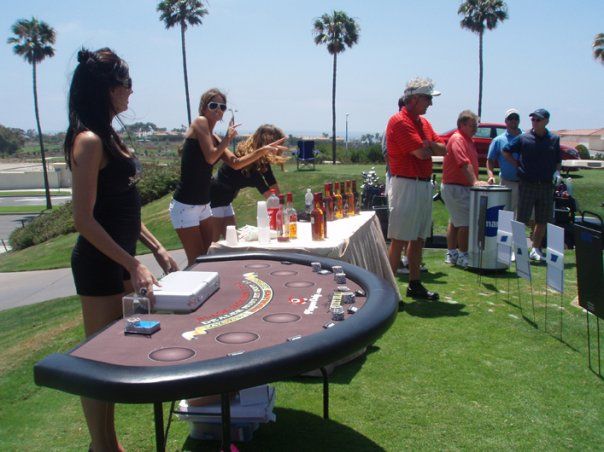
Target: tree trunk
480, 73
333, 109
46, 185
184, 68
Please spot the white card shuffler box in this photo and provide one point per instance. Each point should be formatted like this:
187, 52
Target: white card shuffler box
185, 291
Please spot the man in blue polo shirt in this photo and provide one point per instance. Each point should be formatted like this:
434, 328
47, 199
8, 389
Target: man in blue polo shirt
507, 172
538, 159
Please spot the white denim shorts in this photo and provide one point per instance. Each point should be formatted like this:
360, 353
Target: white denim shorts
187, 215
223, 211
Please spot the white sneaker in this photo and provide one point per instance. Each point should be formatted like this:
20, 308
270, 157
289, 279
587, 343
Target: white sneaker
403, 270
513, 258
462, 260
536, 255
451, 258
404, 261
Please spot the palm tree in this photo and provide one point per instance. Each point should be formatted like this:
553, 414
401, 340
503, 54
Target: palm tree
598, 47
183, 13
33, 41
337, 31
478, 16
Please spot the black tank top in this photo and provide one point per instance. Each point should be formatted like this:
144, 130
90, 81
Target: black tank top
117, 207
195, 174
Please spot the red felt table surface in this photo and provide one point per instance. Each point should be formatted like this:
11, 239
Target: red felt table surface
255, 307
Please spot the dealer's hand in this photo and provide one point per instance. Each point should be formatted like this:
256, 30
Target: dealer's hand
141, 278
165, 261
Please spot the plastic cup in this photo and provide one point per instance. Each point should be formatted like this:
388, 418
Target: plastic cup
231, 235
264, 234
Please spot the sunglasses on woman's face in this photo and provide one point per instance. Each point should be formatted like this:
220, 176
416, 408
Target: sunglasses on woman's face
127, 83
215, 105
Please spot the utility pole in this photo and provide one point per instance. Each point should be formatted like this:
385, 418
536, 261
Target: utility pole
346, 133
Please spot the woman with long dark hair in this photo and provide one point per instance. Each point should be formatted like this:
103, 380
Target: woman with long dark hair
106, 210
190, 209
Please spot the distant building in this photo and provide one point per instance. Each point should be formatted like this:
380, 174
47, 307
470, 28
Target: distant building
593, 139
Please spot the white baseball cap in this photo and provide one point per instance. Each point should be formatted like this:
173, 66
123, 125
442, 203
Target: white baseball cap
511, 111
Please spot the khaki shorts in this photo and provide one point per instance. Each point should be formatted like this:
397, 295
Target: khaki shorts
514, 186
457, 201
410, 209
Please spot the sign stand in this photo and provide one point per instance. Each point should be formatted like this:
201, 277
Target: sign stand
523, 269
590, 280
504, 241
555, 266
589, 343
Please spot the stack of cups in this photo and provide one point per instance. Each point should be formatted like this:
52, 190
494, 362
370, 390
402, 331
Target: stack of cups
264, 234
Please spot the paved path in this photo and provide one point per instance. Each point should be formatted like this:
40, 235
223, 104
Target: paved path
33, 200
25, 288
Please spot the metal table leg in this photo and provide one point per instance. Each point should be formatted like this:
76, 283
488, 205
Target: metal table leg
226, 422
158, 413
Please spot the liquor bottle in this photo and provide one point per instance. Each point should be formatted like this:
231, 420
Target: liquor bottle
272, 205
338, 204
357, 200
344, 193
316, 219
350, 198
323, 208
282, 232
292, 218
328, 200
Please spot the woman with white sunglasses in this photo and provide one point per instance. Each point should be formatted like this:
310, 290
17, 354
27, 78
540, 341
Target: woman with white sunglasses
190, 210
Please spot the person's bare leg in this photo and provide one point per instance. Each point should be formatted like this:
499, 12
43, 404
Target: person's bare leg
451, 236
414, 255
463, 233
538, 235
192, 242
394, 253
206, 231
97, 313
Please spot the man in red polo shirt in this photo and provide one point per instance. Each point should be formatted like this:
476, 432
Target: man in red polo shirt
411, 143
460, 172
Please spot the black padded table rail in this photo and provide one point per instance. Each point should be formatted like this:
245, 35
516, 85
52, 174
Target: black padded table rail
167, 366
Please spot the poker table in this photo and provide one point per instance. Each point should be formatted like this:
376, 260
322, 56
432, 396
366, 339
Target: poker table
269, 320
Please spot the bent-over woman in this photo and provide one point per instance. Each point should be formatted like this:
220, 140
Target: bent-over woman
231, 178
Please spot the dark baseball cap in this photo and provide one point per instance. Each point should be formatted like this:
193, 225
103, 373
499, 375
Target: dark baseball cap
540, 113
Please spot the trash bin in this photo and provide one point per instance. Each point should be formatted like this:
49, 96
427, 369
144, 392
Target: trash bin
485, 204
380, 207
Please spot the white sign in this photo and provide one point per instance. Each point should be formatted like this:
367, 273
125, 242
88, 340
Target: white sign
504, 237
555, 257
523, 269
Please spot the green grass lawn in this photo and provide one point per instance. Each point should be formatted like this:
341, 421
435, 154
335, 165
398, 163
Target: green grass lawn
588, 188
466, 373
12, 193
10, 210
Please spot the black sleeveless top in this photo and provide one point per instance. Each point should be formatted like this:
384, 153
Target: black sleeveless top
117, 207
195, 174
228, 181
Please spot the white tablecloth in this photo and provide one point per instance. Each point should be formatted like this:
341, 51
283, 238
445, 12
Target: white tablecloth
357, 240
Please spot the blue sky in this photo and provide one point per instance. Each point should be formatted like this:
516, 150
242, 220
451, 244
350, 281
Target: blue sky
262, 54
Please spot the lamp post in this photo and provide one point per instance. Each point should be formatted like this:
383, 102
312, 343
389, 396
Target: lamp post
346, 133
232, 122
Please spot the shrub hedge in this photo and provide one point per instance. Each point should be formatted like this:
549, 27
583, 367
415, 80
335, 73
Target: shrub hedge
158, 180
